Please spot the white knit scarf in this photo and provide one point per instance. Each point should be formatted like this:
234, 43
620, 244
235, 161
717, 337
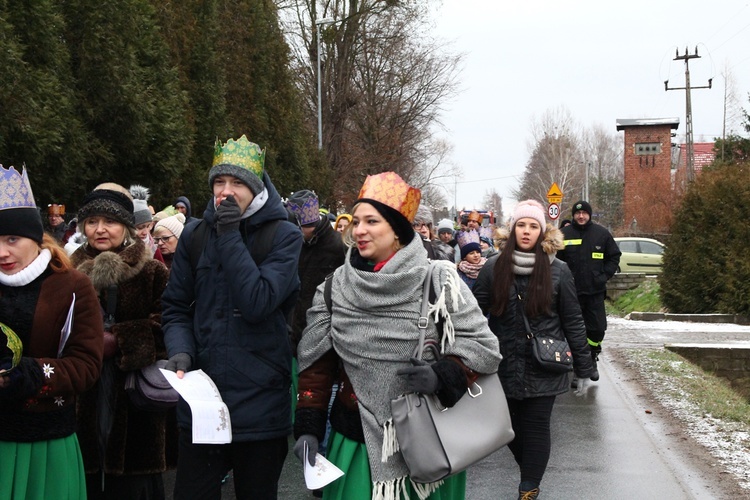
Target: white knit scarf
28, 273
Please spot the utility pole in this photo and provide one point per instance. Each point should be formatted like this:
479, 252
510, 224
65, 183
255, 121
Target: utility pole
689, 157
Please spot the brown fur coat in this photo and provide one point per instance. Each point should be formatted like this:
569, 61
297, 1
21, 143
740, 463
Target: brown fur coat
140, 442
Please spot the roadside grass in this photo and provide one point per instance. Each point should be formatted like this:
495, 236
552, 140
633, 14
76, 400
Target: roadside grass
644, 298
671, 378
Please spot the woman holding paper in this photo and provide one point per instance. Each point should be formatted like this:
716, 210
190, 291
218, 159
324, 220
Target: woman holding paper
125, 450
364, 341
43, 302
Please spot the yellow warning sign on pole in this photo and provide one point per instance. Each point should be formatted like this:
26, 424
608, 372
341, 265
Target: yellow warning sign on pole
554, 195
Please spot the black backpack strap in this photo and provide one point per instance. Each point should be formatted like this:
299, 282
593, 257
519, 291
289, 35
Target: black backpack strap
327, 293
263, 241
198, 243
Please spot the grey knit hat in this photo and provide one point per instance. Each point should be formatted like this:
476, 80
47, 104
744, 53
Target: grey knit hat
141, 213
424, 215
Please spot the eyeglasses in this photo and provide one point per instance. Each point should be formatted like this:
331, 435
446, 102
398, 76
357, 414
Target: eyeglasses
164, 239
418, 225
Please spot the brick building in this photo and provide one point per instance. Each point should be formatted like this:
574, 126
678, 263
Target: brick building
649, 193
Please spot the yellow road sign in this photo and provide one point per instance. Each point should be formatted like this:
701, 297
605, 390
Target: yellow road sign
554, 195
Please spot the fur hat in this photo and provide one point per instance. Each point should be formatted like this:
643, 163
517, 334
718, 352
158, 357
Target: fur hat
445, 226
241, 159
141, 212
581, 205
424, 216
531, 209
304, 205
174, 224
19, 215
108, 200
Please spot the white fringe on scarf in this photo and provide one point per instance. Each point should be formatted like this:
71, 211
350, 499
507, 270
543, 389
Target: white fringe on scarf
395, 489
390, 442
440, 308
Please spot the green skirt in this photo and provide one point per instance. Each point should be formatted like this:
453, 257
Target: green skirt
43, 470
356, 483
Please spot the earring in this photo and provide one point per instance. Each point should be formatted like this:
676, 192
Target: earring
396, 236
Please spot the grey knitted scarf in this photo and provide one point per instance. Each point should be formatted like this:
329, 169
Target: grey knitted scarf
373, 329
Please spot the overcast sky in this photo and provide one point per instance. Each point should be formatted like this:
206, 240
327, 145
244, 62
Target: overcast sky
602, 60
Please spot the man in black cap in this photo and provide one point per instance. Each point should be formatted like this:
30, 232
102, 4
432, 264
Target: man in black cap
592, 256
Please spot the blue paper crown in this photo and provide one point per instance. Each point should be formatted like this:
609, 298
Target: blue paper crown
15, 189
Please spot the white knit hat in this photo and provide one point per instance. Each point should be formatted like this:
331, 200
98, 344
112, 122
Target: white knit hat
174, 224
532, 209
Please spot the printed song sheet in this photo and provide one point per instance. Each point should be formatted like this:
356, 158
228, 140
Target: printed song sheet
320, 474
211, 423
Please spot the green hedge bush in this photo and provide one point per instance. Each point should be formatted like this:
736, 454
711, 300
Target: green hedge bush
706, 267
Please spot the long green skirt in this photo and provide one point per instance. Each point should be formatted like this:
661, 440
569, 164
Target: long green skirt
356, 483
295, 384
42, 470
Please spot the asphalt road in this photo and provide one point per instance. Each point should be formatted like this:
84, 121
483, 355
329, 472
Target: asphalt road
613, 442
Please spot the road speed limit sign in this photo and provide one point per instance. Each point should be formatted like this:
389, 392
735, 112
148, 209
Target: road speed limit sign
553, 210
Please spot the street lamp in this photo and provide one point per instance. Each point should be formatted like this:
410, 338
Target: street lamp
318, 23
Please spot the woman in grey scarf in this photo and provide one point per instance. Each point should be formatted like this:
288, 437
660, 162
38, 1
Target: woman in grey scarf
364, 342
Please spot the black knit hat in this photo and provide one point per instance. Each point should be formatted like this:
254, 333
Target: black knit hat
581, 205
108, 200
400, 224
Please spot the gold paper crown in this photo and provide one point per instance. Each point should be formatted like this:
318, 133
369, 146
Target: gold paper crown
241, 153
390, 189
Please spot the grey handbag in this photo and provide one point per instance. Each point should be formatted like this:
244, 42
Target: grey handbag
437, 442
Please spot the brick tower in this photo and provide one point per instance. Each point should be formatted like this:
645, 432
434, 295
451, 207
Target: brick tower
648, 192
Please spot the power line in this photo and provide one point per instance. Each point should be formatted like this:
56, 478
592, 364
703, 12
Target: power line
490, 179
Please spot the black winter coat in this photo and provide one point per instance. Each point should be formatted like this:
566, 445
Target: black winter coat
592, 256
520, 375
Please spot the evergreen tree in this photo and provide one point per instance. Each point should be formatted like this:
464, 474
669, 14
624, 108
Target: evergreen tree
130, 95
40, 127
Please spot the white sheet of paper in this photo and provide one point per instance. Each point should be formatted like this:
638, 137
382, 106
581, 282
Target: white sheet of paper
211, 422
320, 474
67, 328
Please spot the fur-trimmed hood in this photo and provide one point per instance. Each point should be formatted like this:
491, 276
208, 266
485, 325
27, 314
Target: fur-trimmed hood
110, 268
553, 239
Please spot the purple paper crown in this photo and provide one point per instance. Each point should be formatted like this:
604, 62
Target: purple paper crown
305, 207
466, 237
485, 232
15, 189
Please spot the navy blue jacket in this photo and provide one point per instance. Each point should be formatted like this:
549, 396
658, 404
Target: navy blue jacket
229, 319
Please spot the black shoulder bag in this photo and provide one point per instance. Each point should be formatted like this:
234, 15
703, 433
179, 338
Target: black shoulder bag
551, 354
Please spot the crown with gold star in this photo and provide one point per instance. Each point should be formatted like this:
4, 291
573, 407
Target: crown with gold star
239, 158
390, 189
15, 189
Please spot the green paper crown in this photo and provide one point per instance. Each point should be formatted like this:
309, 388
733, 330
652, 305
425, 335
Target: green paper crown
241, 153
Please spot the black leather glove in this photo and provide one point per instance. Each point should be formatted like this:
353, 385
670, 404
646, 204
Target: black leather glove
420, 377
227, 216
312, 448
180, 362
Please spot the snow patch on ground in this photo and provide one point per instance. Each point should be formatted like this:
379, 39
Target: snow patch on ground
728, 442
